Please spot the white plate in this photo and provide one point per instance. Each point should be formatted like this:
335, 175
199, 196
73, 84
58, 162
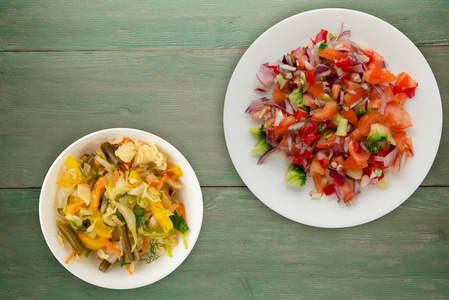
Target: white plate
267, 181
116, 277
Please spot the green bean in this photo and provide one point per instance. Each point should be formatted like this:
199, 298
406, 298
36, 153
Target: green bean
104, 265
90, 159
123, 232
109, 152
73, 239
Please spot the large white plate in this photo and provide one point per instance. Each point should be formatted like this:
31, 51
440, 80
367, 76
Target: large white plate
267, 181
116, 277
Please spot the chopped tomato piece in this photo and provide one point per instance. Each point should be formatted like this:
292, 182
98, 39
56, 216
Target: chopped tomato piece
329, 189
336, 88
316, 90
352, 164
350, 116
310, 77
320, 182
400, 99
300, 114
298, 158
327, 140
325, 113
355, 95
279, 95
366, 121
396, 117
332, 54
321, 36
357, 153
316, 168
285, 123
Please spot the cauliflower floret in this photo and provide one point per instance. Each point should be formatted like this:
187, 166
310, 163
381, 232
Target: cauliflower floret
126, 152
149, 153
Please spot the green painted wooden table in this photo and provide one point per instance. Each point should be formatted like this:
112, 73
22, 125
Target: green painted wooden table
68, 68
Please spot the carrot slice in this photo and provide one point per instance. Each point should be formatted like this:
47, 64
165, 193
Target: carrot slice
111, 247
129, 269
70, 256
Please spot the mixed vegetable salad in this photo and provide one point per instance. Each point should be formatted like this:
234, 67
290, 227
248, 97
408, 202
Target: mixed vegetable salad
337, 112
121, 203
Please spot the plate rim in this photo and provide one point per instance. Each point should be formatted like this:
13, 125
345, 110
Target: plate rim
196, 189
234, 74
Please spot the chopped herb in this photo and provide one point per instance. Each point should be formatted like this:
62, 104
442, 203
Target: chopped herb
119, 216
322, 46
328, 136
125, 194
140, 216
151, 255
122, 263
178, 222
82, 227
91, 177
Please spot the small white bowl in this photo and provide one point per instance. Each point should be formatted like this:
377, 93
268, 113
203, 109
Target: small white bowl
116, 277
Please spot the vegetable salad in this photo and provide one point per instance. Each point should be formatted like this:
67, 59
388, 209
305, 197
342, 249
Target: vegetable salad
338, 114
121, 203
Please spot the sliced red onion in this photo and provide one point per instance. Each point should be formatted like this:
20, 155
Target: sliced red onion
410, 150
260, 90
257, 105
341, 97
357, 188
357, 102
356, 77
364, 181
339, 193
321, 155
331, 153
296, 126
278, 118
344, 35
266, 155
346, 144
289, 107
402, 161
390, 158
289, 141
365, 86
358, 68
363, 146
355, 47
352, 92
266, 75
308, 65
287, 68
337, 174
361, 58
321, 69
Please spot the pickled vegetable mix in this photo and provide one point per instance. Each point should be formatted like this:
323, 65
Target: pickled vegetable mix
338, 114
121, 203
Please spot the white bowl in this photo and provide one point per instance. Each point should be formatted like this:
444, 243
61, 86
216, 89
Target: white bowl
116, 277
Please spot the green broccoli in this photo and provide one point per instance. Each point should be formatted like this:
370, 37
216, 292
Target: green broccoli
295, 175
378, 133
372, 146
262, 145
360, 110
295, 98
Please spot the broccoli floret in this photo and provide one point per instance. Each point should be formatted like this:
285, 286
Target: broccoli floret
295, 98
378, 133
262, 145
373, 146
295, 175
360, 110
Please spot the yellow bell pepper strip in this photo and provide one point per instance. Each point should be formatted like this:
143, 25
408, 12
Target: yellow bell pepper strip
160, 215
101, 229
74, 205
96, 194
73, 174
176, 170
90, 242
134, 178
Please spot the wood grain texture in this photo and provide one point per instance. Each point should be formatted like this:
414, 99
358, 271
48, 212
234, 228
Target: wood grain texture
49, 100
86, 25
246, 251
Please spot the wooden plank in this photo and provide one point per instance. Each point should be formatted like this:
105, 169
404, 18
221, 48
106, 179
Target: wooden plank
48, 100
90, 25
245, 250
